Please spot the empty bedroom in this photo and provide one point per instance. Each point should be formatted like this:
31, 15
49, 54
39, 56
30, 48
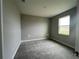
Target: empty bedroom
39, 29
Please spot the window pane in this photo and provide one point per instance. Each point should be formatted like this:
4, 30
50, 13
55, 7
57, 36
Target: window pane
64, 25
64, 20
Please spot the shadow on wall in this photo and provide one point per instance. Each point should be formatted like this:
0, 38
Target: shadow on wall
67, 40
34, 27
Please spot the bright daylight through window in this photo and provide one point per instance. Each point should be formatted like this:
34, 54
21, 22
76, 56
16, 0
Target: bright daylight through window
64, 25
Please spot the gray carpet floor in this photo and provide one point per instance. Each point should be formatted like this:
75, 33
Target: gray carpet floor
43, 49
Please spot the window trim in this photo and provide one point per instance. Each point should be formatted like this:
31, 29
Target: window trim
63, 25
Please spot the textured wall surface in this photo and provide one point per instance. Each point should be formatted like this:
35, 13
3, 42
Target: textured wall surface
68, 40
0, 29
34, 27
11, 29
77, 29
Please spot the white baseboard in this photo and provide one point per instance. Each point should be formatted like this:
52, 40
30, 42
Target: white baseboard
63, 43
32, 40
24, 41
16, 50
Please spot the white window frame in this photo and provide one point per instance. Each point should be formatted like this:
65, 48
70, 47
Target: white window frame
62, 24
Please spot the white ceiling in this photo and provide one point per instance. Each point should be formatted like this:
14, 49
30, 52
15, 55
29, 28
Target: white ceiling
45, 8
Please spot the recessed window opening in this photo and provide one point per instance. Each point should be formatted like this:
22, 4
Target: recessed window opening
64, 25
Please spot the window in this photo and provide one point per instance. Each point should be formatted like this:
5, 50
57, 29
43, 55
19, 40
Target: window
64, 25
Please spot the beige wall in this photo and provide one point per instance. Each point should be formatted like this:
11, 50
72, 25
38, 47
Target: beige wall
33, 27
11, 29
